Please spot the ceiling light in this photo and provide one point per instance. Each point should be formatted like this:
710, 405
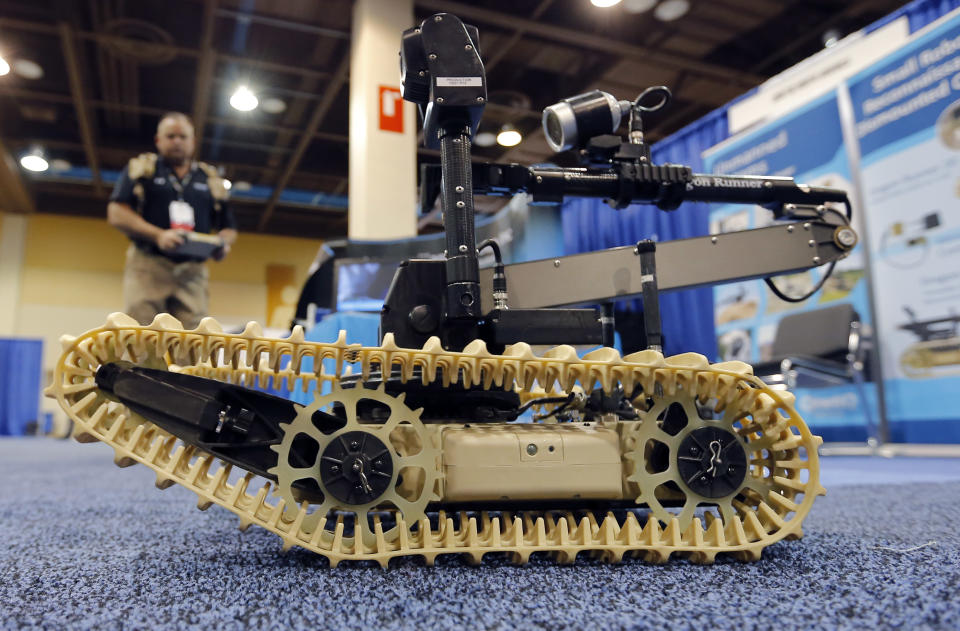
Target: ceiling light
831, 37
603, 4
59, 164
273, 105
34, 162
244, 100
638, 6
4, 67
227, 184
27, 69
242, 186
485, 139
670, 10
509, 136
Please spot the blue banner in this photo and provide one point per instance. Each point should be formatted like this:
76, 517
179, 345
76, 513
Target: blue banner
907, 113
808, 145
911, 96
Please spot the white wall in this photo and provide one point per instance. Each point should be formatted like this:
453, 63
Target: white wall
63, 275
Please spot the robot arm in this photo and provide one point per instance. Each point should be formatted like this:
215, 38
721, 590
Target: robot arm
665, 186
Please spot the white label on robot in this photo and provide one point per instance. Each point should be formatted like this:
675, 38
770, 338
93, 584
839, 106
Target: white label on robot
459, 82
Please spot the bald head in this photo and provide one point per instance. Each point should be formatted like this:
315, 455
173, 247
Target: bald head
174, 139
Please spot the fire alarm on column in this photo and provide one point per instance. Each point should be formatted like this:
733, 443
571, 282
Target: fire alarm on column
391, 109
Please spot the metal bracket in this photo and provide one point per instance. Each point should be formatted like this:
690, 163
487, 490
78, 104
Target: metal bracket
647, 251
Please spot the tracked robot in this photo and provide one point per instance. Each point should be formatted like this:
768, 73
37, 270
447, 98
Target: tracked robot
453, 435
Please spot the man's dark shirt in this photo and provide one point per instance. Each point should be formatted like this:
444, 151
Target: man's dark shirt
159, 192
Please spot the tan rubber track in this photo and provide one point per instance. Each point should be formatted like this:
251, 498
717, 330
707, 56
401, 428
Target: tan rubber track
787, 463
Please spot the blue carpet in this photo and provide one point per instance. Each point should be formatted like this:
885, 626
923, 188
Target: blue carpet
88, 545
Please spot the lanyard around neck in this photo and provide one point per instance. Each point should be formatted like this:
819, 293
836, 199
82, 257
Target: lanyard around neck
179, 185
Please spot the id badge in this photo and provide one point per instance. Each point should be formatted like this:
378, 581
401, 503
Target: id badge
181, 215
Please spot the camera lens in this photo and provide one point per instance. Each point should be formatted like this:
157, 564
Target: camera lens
576, 120
560, 126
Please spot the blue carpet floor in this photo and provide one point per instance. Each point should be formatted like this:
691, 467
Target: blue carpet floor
86, 545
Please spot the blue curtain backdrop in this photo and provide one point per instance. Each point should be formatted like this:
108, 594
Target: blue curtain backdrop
589, 224
20, 371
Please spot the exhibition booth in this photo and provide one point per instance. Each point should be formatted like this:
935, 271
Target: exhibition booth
459, 381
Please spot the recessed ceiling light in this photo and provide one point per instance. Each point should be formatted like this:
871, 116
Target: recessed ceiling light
485, 139
509, 136
273, 105
59, 164
27, 69
603, 4
34, 162
244, 99
227, 184
831, 37
4, 67
670, 10
638, 6
242, 186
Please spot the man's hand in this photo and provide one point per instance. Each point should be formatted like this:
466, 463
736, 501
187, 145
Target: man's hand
220, 253
169, 240
228, 236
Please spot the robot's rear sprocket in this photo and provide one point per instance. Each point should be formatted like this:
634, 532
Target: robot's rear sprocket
403, 453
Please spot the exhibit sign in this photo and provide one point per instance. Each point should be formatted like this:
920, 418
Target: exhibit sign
907, 120
808, 145
817, 75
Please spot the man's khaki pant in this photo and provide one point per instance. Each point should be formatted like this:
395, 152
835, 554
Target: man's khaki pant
154, 284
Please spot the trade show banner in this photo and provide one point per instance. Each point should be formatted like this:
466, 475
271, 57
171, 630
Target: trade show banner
907, 120
806, 144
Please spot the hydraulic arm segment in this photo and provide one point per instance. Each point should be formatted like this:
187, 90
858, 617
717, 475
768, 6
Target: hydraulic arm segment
454, 435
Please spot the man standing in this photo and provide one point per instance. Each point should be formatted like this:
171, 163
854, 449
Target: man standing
174, 211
